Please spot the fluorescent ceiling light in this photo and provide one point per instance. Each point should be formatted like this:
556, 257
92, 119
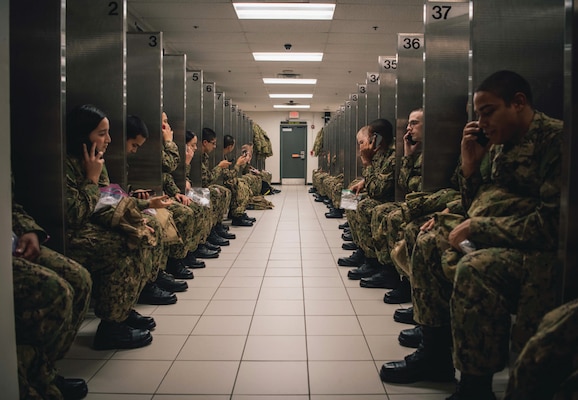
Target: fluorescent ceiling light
289, 81
291, 96
288, 56
308, 11
293, 106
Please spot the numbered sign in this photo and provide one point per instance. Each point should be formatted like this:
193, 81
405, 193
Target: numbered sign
410, 42
438, 12
387, 63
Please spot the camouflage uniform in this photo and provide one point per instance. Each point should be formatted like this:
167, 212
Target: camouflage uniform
119, 268
317, 179
333, 186
220, 195
192, 222
548, 363
380, 187
514, 211
387, 217
51, 297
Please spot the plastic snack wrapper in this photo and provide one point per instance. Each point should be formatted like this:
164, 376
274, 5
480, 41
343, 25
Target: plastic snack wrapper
200, 196
349, 199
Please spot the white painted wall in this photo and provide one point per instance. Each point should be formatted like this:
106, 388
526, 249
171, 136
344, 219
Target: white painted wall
271, 121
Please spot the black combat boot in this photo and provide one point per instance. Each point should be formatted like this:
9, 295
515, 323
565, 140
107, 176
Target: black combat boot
473, 387
411, 337
432, 361
354, 260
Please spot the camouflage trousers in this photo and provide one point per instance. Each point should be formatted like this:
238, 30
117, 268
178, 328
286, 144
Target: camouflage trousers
266, 176
51, 297
118, 272
240, 197
477, 293
385, 224
548, 363
186, 224
202, 218
333, 186
220, 203
317, 179
402, 250
360, 225
254, 182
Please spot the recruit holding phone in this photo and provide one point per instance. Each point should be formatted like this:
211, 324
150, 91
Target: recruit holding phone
482, 139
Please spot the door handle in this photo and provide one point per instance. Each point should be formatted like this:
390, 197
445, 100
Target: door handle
302, 154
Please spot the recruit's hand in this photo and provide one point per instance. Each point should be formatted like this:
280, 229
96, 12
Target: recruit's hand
472, 151
167, 133
224, 164
189, 154
358, 187
28, 247
93, 162
242, 160
408, 147
160, 201
183, 199
459, 234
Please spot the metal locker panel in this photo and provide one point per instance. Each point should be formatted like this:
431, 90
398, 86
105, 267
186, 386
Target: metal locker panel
38, 142
350, 171
522, 36
387, 87
447, 74
209, 118
219, 115
96, 69
195, 121
361, 121
569, 196
409, 90
174, 105
372, 82
144, 71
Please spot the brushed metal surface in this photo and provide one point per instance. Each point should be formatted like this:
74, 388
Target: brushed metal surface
144, 66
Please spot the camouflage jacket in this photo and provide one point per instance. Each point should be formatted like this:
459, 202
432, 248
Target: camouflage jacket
81, 193
380, 176
23, 223
515, 202
171, 156
209, 176
409, 178
171, 160
318, 145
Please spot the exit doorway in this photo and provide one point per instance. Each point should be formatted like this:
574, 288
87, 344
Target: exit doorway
293, 154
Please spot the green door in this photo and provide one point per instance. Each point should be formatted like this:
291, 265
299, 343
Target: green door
293, 152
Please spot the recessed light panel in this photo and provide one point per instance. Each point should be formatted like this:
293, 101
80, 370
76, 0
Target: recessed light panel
302, 11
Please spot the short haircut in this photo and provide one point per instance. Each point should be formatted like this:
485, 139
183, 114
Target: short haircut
383, 128
208, 134
228, 140
135, 127
80, 122
505, 84
190, 135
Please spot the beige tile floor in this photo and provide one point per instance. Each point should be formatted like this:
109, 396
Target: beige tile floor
272, 318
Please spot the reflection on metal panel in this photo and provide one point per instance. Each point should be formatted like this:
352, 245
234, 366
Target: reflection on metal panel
525, 36
409, 88
446, 89
209, 119
361, 121
174, 86
144, 99
37, 139
95, 69
569, 196
195, 120
219, 116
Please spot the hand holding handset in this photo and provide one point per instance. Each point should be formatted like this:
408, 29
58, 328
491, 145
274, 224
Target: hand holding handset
482, 139
410, 140
142, 194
